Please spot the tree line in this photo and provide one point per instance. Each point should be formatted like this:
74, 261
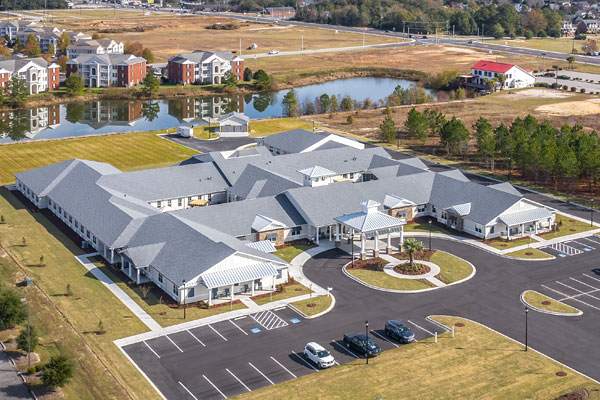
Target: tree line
539, 150
6, 5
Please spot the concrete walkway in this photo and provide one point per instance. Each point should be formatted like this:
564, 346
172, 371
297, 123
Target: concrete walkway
11, 385
430, 276
248, 302
298, 262
117, 291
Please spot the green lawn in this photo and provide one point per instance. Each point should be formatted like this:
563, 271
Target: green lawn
502, 244
205, 132
290, 252
266, 127
535, 299
91, 302
127, 151
562, 45
385, 281
452, 268
477, 363
424, 227
291, 290
529, 253
321, 303
568, 227
152, 305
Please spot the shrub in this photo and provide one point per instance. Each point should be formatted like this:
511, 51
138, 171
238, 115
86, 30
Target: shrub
2, 219
350, 119
42, 261
31, 370
23, 241
22, 343
573, 89
565, 87
13, 310
10, 340
57, 372
280, 288
582, 90
69, 292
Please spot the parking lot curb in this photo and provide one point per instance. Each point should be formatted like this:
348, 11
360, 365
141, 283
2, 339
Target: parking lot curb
319, 314
384, 289
560, 314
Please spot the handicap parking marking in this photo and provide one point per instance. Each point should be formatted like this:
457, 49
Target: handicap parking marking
564, 249
255, 330
269, 320
295, 320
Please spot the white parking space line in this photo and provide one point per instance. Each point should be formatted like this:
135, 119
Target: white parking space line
591, 277
584, 245
188, 390
213, 385
567, 297
345, 349
281, 365
238, 379
234, 324
217, 332
431, 321
151, 349
591, 240
264, 376
174, 344
420, 327
583, 283
238, 318
280, 308
577, 290
194, 336
384, 338
304, 361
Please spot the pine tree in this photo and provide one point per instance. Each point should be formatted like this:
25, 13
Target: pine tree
416, 125
388, 128
290, 104
486, 143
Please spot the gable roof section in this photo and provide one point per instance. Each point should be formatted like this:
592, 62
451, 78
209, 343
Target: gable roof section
263, 224
393, 201
295, 140
316, 172
492, 66
505, 187
240, 117
256, 182
228, 277
369, 221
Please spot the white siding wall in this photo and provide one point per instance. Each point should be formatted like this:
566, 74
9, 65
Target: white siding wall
215, 198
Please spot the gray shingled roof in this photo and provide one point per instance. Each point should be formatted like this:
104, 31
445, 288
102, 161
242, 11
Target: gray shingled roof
167, 183
256, 182
236, 218
295, 140
114, 58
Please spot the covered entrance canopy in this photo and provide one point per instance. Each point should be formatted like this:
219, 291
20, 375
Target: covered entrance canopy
370, 221
518, 220
232, 276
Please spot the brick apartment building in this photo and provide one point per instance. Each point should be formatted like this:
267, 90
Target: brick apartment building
39, 75
203, 67
104, 70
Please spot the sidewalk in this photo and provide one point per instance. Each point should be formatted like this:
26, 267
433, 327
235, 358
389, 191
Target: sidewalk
117, 291
11, 385
298, 262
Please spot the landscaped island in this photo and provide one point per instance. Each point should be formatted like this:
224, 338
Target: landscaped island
541, 302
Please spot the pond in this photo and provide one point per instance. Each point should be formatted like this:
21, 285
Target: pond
108, 116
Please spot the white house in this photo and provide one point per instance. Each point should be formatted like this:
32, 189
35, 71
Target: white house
234, 124
515, 76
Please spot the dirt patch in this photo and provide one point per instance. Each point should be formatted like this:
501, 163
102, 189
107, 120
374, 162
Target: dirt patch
536, 93
571, 108
580, 394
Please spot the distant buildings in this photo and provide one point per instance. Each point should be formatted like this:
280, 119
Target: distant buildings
203, 67
98, 46
45, 35
280, 12
38, 74
104, 70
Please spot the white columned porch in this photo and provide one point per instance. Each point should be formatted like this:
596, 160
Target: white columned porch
376, 245
337, 235
362, 246
210, 296
112, 256
507, 232
232, 295
130, 272
137, 277
330, 233
388, 248
401, 237
317, 235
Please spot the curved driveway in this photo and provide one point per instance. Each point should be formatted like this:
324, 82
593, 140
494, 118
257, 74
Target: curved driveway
490, 297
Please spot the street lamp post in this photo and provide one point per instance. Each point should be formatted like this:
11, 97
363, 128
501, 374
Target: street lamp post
509, 167
25, 300
526, 312
183, 298
367, 344
352, 248
592, 212
430, 227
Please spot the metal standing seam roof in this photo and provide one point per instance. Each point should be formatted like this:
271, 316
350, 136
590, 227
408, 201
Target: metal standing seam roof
316, 172
393, 201
262, 223
460, 209
368, 222
522, 217
231, 276
263, 245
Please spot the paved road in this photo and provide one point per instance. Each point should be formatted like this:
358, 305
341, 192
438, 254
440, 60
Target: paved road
11, 386
226, 359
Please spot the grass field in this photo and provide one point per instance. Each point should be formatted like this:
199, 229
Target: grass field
452, 268
290, 252
385, 281
568, 227
561, 45
161, 313
291, 290
476, 363
533, 254
502, 244
321, 303
131, 151
168, 35
91, 302
536, 299
422, 227
265, 127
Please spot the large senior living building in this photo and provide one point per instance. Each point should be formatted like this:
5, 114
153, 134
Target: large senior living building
205, 228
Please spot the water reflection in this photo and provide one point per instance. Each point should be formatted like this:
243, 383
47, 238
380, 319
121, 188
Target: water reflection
26, 124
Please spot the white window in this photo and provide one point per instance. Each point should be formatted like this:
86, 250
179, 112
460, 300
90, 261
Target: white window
168, 203
179, 202
296, 230
174, 289
160, 277
158, 204
421, 208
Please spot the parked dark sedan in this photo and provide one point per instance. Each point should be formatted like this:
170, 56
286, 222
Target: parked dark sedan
358, 342
397, 330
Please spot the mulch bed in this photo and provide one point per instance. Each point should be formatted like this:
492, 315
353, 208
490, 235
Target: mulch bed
528, 253
561, 373
371, 263
422, 269
546, 303
262, 296
299, 242
580, 394
459, 324
425, 255
311, 305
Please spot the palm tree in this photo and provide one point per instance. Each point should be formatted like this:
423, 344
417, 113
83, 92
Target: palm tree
501, 79
571, 60
412, 246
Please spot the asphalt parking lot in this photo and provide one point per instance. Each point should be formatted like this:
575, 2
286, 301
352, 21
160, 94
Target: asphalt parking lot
581, 291
573, 247
220, 360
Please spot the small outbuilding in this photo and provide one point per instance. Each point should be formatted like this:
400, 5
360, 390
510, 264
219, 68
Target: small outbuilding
185, 131
234, 124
